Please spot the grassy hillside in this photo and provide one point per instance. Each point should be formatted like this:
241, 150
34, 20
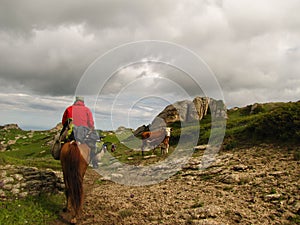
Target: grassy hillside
269, 123
251, 125
30, 148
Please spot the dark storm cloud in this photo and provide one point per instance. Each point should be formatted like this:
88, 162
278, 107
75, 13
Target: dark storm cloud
48, 44
252, 46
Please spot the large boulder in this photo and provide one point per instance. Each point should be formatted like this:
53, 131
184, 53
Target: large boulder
188, 111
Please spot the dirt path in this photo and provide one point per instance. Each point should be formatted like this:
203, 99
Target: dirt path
248, 186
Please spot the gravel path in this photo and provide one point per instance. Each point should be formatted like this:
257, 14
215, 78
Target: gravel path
259, 185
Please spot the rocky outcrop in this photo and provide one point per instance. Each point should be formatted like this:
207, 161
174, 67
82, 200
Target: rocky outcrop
188, 111
21, 181
10, 127
57, 128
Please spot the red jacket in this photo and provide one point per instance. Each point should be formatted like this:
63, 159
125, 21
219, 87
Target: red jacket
81, 115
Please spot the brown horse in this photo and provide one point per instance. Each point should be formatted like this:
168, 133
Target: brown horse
74, 159
157, 138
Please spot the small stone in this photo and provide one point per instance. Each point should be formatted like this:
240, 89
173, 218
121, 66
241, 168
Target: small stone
205, 212
8, 180
18, 185
3, 174
116, 175
272, 197
23, 194
2, 194
240, 167
231, 179
7, 187
200, 147
277, 173
18, 177
15, 191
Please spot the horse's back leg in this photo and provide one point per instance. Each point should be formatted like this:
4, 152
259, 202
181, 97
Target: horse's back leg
67, 208
143, 147
167, 149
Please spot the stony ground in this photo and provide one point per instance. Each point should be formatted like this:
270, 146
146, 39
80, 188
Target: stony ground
258, 185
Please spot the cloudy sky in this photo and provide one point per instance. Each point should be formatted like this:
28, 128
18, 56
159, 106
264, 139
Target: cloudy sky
252, 47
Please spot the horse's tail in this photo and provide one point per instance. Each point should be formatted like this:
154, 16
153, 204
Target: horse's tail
73, 177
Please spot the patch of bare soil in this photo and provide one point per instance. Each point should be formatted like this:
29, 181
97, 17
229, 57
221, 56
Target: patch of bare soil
259, 185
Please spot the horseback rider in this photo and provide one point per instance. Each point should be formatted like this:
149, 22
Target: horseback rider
80, 116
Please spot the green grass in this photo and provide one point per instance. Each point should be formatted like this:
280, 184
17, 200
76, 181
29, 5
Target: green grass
30, 149
32, 210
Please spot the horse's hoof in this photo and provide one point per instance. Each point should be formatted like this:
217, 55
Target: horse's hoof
73, 221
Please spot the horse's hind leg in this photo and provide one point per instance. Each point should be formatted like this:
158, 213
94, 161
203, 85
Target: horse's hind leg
143, 147
167, 148
66, 209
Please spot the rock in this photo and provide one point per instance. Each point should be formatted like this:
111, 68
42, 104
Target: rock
2, 194
28, 180
105, 178
57, 128
240, 167
149, 156
3, 147
231, 179
272, 197
15, 191
11, 142
278, 173
18, 177
210, 211
17, 185
23, 194
115, 165
8, 180
187, 111
3, 173
10, 127
200, 147
7, 187
116, 175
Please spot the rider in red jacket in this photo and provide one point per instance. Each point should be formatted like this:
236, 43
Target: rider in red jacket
79, 113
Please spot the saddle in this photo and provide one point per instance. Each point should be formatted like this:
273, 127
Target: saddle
71, 132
